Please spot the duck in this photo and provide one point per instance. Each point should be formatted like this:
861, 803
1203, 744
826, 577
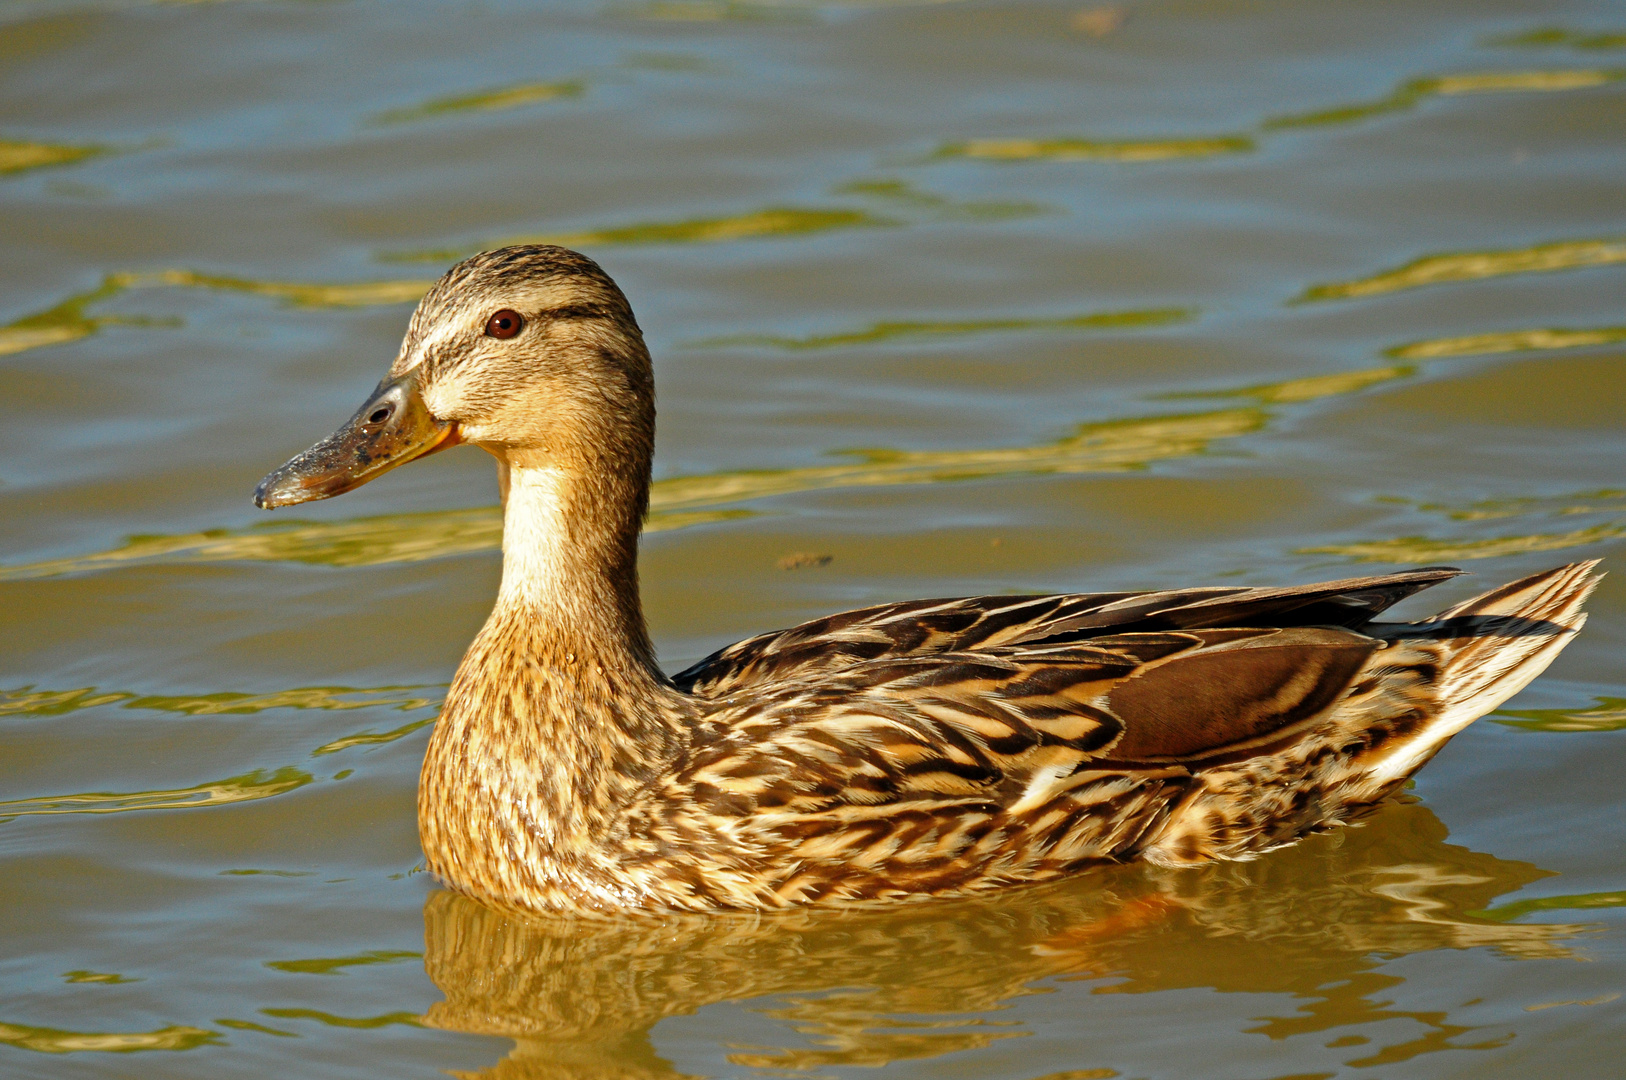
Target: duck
905, 751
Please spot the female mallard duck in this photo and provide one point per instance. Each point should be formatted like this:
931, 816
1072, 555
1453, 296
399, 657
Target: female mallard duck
930, 747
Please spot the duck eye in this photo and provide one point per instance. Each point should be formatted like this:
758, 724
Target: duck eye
504, 324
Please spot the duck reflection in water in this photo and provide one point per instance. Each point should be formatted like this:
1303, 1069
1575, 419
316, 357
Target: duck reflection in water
867, 987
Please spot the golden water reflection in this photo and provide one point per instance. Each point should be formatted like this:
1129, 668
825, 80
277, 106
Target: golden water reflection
335, 965
1424, 549
905, 196
1406, 96
29, 701
1473, 266
248, 787
1547, 36
1606, 714
1123, 150
297, 293
332, 1020
752, 10
889, 331
1602, 500
1411, 93
1310, 388
262, 783
65, 321
52, 1041
1539, 339
1492, 82
102, 978
867, 988
69, 320
20, 156
901, 204
710, 11
1449, 549
389, 538
507, 97
1578, 902
772, 221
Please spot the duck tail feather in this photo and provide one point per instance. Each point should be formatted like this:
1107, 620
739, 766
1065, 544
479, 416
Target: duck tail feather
1493, 646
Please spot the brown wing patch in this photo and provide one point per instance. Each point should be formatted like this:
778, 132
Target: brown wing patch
1207, 700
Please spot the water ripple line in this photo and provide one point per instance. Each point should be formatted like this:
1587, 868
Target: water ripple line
1408, 95
55, 1041
930, 329
1561, 37
1506, 913
32, 701
1131, 151
1536, 339
69, 320
773, 221
1474, 266
335, 965
499, 99
1424, 549
331, 1020
1404, 97
21, 156
1606, 714
248, 787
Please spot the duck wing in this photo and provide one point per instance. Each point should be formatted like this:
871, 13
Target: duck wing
922, 628
965, 770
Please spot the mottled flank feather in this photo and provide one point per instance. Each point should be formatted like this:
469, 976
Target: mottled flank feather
927, 748
897, 761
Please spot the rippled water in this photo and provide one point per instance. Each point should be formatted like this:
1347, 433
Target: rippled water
945, 298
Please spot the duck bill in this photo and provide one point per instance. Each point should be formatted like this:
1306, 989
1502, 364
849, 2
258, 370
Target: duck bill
392, 428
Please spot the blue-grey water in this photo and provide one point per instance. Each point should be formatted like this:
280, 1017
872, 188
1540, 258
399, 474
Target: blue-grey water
945, 298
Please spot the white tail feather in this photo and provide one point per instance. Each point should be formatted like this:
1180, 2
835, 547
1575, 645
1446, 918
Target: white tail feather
1520, 628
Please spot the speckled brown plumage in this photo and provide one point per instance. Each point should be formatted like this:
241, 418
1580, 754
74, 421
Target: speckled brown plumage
934, 747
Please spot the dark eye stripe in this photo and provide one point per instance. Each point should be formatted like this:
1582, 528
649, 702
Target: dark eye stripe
578, 311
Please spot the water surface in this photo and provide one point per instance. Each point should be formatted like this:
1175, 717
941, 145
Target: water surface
945, 298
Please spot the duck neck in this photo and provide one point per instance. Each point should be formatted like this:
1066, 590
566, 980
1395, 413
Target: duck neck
558, 715
570, 566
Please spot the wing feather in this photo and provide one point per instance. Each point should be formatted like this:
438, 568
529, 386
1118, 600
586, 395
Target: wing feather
1018, 762
993, 624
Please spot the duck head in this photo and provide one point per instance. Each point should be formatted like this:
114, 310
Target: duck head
531, 353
